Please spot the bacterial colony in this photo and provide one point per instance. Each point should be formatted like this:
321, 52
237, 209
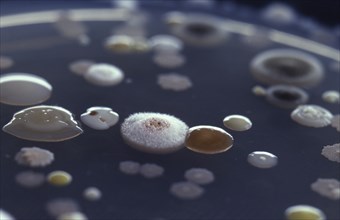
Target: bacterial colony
281, 76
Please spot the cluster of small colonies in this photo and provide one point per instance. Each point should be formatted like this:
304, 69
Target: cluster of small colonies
99, 118
174, 81
167, 51
262, 159
191, 189
43, 123
208, 139
332, 152
312, 116
148, 170
33, 89
100, 74
154, 132
329, 188
34, 157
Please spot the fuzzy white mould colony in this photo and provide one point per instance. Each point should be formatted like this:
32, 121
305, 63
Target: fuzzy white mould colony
154, 132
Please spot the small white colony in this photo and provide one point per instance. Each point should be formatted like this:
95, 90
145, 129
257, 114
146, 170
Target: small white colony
72, 216
174, 81
312, 116
30, 179
154, 132
259, 91
5, 62
99, 118
200, 176
166, 43
129, 167
169, 59
331, 96
92, 194
174, 18
335, 122
57, 207
33, 89
279, 13
237, 122
34, 157
103, 74
304, 212
332, 152
150, 170
262, 159
80, 67
5, 215
186, 190
329, 188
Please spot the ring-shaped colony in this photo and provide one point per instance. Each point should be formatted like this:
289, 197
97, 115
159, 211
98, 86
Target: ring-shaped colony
287, 66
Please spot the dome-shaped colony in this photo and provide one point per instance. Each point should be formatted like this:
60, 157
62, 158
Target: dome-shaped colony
99, 118
33, 89
43, 123
208, 139
312, 116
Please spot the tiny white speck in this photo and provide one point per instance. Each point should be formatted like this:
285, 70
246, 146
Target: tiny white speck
92, 193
